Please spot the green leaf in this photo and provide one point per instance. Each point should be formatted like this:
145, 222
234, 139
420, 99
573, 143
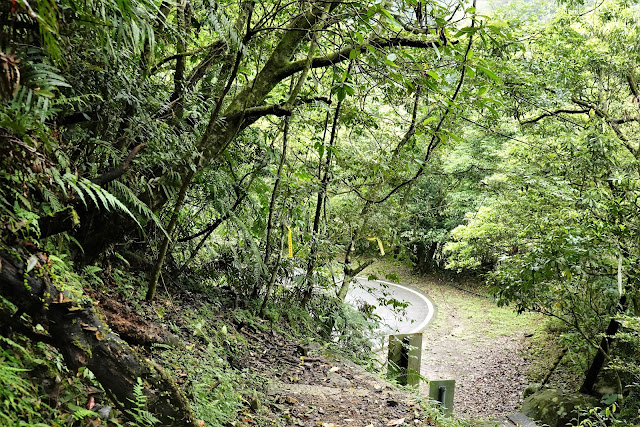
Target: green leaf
433, 74
490, 74
390, 18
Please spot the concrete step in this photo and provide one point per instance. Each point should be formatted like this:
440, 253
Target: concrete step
521, 420
517, 419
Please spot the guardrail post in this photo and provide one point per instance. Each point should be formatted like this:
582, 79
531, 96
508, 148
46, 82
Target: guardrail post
404, 356
442, 392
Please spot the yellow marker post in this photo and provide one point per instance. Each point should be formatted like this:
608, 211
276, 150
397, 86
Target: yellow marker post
290, 242
371, 239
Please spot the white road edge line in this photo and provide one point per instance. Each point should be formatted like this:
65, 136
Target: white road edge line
428, 317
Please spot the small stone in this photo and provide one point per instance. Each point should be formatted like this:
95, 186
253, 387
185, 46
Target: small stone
104, 412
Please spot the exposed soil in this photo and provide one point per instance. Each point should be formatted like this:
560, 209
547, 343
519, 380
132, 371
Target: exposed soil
470, 342
323, 390
306, 385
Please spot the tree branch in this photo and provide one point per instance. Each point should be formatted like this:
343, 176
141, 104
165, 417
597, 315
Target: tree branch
343, 54
120, 170
612, 122
278, 110
435, 139
624, 120
213, 46
554, 113
633, 86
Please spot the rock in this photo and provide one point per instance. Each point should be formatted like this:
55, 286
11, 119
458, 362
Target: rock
337, 380
531, 389
554, 407
103, 411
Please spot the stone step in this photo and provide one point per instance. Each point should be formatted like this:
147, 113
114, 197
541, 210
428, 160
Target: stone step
521, 420
517, 419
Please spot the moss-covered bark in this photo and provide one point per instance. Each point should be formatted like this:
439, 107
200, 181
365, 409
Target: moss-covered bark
84, 339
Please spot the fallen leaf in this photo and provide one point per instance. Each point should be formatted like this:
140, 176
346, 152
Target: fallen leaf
397, 422
334, 369
91, 403
31, 262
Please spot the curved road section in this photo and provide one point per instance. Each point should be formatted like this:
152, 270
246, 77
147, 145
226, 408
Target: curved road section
411, 320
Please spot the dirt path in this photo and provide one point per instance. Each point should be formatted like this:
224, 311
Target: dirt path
326, 390
472, 341
479, 345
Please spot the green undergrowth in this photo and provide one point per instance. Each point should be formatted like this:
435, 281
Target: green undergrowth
211, 366
36, 388
545, 350
210, 363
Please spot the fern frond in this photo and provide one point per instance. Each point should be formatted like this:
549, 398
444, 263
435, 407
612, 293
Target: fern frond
71, 180
108, 199
125, 193
51, 198
88, 191
141, 417
225, 29
58, 179
82, 413
98, 195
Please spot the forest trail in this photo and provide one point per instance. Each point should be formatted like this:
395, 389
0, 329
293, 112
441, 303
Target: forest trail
310, 387
470, 340
474, 342
479, 345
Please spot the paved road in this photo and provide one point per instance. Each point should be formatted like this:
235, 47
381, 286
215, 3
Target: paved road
413, 319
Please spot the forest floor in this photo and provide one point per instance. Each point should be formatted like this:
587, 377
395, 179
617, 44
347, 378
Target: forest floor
281, 381
486, 349
327, 390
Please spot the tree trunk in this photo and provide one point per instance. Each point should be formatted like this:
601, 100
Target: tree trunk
322, 194
272, 204
274, 276
349, 272
183, 18
603, 351
84, 339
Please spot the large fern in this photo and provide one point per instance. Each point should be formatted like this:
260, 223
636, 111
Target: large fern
100, 197
128, 196
141, 417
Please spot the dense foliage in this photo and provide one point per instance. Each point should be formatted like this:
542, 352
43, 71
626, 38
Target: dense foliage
262, 149
557, 224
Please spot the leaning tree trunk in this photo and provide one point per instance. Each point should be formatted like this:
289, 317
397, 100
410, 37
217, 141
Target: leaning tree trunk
84, 339
602, 353
322, 194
